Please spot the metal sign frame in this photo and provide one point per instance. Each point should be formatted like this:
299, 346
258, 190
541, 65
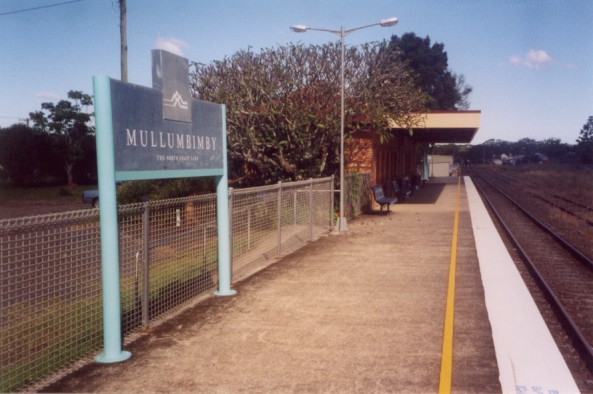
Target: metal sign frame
130, 123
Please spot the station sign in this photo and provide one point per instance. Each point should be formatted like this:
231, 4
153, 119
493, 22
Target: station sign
162, 132
154, 133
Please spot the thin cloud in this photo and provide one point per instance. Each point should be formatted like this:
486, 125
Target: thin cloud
534, 59
570, 66
47, 95
171, 44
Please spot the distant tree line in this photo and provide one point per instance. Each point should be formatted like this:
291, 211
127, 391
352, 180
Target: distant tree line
59, 147
585, 142
526, 150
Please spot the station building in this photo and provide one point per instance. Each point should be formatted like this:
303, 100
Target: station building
398, 157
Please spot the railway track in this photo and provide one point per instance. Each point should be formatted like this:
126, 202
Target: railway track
563, 271
581, 211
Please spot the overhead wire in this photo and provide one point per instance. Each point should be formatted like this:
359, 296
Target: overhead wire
39, 7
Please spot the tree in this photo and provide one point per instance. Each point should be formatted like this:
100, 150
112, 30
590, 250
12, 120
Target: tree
283, 107
531, 151
525, 146
66, 123
556, 150
429, 65
585, 141
24, 154
85, 169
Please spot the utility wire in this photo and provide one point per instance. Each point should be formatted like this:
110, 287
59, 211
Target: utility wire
38, 8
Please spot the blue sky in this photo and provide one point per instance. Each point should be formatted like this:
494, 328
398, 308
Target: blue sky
530, 62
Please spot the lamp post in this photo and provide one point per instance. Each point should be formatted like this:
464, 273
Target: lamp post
342, 223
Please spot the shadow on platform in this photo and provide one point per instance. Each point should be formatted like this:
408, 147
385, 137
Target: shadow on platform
431, 191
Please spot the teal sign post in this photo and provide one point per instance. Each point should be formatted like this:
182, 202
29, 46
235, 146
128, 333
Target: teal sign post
154, 133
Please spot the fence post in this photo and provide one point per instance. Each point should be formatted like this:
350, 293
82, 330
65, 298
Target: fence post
249, 227
347, 194
204, 250
311, 209
279, 252
231, 222
224, 248
331, 202
294, 204
146, 265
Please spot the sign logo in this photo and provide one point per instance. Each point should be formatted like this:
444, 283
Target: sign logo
170, 75
176, 101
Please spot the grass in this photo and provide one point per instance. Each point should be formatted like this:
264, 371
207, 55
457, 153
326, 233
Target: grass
48, 340
573, 182
51, 193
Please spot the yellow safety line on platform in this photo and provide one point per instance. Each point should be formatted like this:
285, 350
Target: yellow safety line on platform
447, 356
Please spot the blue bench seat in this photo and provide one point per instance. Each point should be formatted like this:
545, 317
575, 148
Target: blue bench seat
380, 198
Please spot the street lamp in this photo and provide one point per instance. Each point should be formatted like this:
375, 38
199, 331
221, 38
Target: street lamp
342, 223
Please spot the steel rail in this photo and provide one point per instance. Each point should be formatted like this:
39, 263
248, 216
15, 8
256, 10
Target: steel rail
566, 244
549, 202
581, 343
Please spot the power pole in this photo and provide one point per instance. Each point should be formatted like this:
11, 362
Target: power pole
124, 40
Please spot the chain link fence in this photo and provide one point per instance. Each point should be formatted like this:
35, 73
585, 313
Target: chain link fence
50, 266
271, 221
357, 198
50, 294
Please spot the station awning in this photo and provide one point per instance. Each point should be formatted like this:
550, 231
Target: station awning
443, 127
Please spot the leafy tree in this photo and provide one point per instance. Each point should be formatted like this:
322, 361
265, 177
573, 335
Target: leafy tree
67, 124
23, 155
586, 133
555, 149
529, 149
429, 65
85, 168
283, 105
525, 146
585, 141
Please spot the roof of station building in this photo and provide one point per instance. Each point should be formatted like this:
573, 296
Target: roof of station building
443, 127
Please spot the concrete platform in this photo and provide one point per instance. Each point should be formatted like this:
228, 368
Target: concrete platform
528, 358
361, 311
